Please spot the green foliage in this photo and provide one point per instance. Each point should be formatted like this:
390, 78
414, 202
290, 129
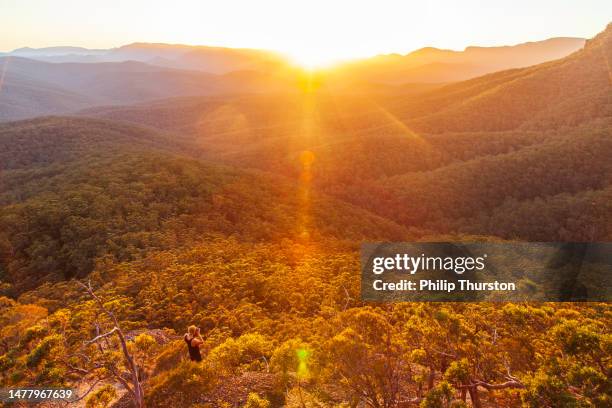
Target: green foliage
181, 386
42, 350
441, 397
255, 401
145, 343
102, 398
458, 372
226, 356
544, 390
58, 220
170, 356
249, 352
34, 332
6, 362
576, 338
292, 356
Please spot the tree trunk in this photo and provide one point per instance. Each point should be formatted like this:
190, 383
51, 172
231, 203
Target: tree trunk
136, 389
431, 378
474, 397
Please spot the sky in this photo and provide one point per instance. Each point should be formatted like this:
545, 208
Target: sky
323, 30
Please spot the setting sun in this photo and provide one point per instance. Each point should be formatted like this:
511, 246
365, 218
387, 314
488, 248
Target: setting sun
314, 34
305, 203
313, 58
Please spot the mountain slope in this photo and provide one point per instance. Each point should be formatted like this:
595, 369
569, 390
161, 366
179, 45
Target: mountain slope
22, 98
44, 141
77, 190
67, 87
527, 135
570, 164
565, 92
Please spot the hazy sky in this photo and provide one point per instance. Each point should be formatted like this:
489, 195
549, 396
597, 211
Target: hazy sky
324, 29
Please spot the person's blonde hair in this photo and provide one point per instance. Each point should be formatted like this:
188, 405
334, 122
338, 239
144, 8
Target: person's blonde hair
192, 330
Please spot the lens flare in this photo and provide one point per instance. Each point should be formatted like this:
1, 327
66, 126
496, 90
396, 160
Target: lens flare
302, 370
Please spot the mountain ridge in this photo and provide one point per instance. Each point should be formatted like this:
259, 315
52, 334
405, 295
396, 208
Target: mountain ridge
369, 150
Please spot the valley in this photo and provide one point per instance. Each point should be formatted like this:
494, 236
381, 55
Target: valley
236, 197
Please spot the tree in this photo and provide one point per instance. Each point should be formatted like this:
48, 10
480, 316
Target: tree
132, 384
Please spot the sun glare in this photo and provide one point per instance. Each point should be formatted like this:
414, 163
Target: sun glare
313, 59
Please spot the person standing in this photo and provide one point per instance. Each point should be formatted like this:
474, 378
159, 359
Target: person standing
194, 340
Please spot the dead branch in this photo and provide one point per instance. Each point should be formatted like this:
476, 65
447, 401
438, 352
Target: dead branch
101, 336
489, 386
136, 389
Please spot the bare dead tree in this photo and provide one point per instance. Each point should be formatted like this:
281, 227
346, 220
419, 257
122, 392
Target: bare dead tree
348, 298
133, 386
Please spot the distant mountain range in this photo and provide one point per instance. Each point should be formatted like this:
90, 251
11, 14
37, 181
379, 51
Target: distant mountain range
436, 65
424, 65
58, 80
32, 87
216, 60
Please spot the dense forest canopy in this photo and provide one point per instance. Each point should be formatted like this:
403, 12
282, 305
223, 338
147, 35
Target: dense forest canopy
243, 214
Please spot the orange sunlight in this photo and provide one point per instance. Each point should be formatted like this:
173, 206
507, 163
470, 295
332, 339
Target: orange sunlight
313, 58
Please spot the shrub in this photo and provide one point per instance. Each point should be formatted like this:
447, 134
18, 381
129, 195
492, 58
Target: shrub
171, 356
255, 401
181, 386
101, 398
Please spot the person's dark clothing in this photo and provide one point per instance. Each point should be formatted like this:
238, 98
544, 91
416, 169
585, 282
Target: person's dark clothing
194, 352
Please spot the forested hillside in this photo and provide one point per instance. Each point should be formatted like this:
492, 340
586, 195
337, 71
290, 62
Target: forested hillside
44, 141
242, 213
24, 97
73, 193
284, 328
566, 92
512, 142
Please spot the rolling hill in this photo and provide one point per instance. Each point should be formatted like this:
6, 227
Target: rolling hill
32, 88
566, 92
529, 128
48, 140
75, 190
22, 97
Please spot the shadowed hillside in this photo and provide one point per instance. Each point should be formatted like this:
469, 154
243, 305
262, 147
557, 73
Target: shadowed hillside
32, 88
22, 97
